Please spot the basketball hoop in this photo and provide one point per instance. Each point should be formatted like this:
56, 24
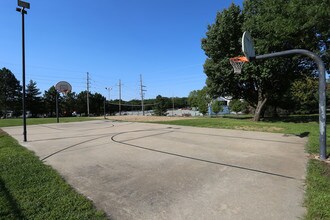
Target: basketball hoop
237, 63
63, 87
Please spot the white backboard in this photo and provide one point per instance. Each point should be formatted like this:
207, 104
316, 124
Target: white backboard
63, 87
248, 46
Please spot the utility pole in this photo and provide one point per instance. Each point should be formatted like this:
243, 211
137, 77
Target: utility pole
88, 94
119, 97
142, 94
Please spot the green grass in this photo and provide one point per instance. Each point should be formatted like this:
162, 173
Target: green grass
318, 190
30, 189
317, 198
35, 121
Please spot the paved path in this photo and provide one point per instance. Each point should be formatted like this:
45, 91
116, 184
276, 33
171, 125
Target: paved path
152, 171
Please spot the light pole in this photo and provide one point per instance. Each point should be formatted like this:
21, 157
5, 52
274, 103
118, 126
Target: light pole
109, 89
23, 5
104, 108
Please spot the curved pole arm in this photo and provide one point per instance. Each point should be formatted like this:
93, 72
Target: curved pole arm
322, 90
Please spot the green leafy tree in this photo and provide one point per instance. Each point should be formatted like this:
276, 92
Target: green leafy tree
69, 104
82, 102
275, 26
203, 100
10, 92
179, 102
50, 101
160, 106
203, 108
237, 105
149, 104
199, 99
216, 107
256, 83
304, 94
33, 99
284, 25
220, 43
193, 98
96, 104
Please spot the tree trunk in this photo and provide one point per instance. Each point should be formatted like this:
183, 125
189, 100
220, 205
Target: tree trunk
260, 106
275, 114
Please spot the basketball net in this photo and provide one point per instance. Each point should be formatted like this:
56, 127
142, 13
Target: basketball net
65, 92
237, 63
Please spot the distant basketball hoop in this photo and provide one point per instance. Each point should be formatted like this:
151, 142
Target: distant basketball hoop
63, 87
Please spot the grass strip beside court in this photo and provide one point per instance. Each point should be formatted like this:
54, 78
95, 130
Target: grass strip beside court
318, 190
30, 189
36, 121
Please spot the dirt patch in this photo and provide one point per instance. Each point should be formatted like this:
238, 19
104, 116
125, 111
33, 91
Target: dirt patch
326, 162
145, 118
250, 128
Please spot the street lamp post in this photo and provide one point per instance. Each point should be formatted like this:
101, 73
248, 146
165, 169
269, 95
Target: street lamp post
23, 5
104, 108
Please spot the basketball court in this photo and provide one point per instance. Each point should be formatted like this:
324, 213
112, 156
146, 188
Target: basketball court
151, 171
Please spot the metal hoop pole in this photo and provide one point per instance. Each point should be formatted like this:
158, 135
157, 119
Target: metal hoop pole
322, 89
57, 117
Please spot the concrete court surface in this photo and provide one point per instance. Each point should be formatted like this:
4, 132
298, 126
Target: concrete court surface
152, 171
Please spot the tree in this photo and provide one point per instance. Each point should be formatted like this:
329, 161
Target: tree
160, 106
203, 100
216, 106
33, 100
199, 99
257, 82
179, 102
203, 107
222, 42
97, 103
237, 105
82, 102
304, 94
50, 101
10, 92
193, 98
69, 104
275, 27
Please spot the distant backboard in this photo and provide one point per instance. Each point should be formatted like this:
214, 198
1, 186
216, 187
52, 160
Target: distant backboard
63, 87
248, 46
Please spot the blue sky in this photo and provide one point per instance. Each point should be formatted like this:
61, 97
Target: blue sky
112, 40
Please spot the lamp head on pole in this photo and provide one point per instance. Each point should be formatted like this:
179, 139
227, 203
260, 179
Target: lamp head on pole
23, 4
